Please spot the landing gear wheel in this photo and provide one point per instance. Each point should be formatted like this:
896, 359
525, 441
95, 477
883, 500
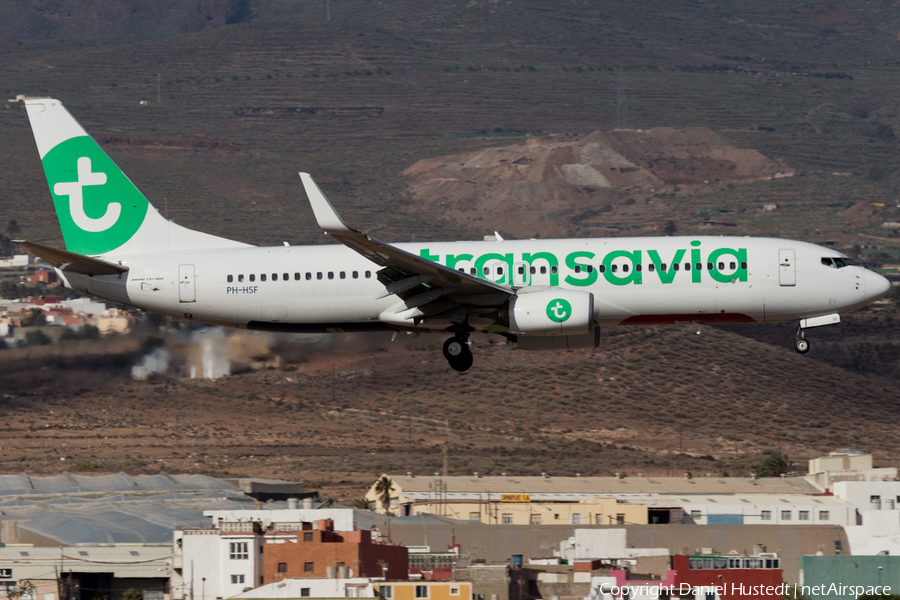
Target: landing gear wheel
457, 353
801, 345
453, 347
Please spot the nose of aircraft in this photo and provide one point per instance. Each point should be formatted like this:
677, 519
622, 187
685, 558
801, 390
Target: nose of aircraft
876, 285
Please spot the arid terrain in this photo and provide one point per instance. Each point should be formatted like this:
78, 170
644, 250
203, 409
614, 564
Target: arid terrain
559, 186
336, 413
439, 121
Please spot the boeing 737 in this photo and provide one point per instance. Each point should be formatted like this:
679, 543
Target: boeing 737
540, 294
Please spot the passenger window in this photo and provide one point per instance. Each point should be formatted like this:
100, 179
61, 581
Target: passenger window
343, 275
296, 276
625, 268
709, 266
472, 271
319, 275
578, 268
253, 278
261, 277
543, 270
732, 266
285, 276
687, 266
602, 268
675, 266
230, 278
721, 266
651, 267
554, 269
743, 265
499, 270
698, 266
614, 268
275, 277
521, 270
637, 267
355, 274
330, 274
461, 270
240, 278
590, 268
662, 267
532, 270
308, 276
368, 274
487, 270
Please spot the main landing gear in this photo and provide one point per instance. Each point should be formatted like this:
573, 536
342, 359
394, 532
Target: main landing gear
802, 344
457, 353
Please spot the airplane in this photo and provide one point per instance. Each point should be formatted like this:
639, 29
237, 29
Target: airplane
540, 294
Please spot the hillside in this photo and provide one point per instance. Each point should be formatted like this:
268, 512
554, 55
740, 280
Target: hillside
554, 185
649, 400
360, 98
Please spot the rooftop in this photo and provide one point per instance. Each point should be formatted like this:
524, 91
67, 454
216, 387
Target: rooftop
68, 484
580, 486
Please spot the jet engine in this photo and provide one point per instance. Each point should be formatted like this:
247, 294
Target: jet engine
549, 311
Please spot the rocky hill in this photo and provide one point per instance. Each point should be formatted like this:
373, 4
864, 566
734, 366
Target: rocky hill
545, 184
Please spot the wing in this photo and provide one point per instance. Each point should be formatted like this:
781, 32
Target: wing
426, 287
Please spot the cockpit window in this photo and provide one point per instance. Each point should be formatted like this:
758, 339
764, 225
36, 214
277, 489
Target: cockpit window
837, 262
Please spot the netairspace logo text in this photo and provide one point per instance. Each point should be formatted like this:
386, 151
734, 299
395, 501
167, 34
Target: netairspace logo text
740, 589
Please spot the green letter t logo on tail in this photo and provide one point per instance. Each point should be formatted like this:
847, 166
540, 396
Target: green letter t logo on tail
98, 207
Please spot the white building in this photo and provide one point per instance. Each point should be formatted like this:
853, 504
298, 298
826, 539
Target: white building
127, 566
18, 260
876, 527
85, 306
605, 543
766, 509
846, 465
355, 587
217, 563
226, 559
343, 518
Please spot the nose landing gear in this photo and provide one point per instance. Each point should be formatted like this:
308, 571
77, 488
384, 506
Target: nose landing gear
802, 344
457, 353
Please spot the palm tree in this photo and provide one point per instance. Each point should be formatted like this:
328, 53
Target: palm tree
383, 488
12, 228
670, 228
775, 464
362, 503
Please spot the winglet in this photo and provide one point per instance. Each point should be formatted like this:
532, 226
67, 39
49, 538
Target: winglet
326, 216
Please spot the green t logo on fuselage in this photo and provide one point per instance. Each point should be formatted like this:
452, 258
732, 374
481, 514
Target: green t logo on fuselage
559, 310
98, 207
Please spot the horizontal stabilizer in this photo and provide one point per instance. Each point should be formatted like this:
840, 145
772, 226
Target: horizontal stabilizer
71, 262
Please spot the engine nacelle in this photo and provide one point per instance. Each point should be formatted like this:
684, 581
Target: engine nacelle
560, 342
549, 311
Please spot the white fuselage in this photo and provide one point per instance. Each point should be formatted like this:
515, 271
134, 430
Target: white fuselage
633, 280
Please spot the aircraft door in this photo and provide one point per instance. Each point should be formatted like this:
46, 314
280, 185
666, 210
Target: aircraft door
186, 290
496, 271
521, 275
787, 269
